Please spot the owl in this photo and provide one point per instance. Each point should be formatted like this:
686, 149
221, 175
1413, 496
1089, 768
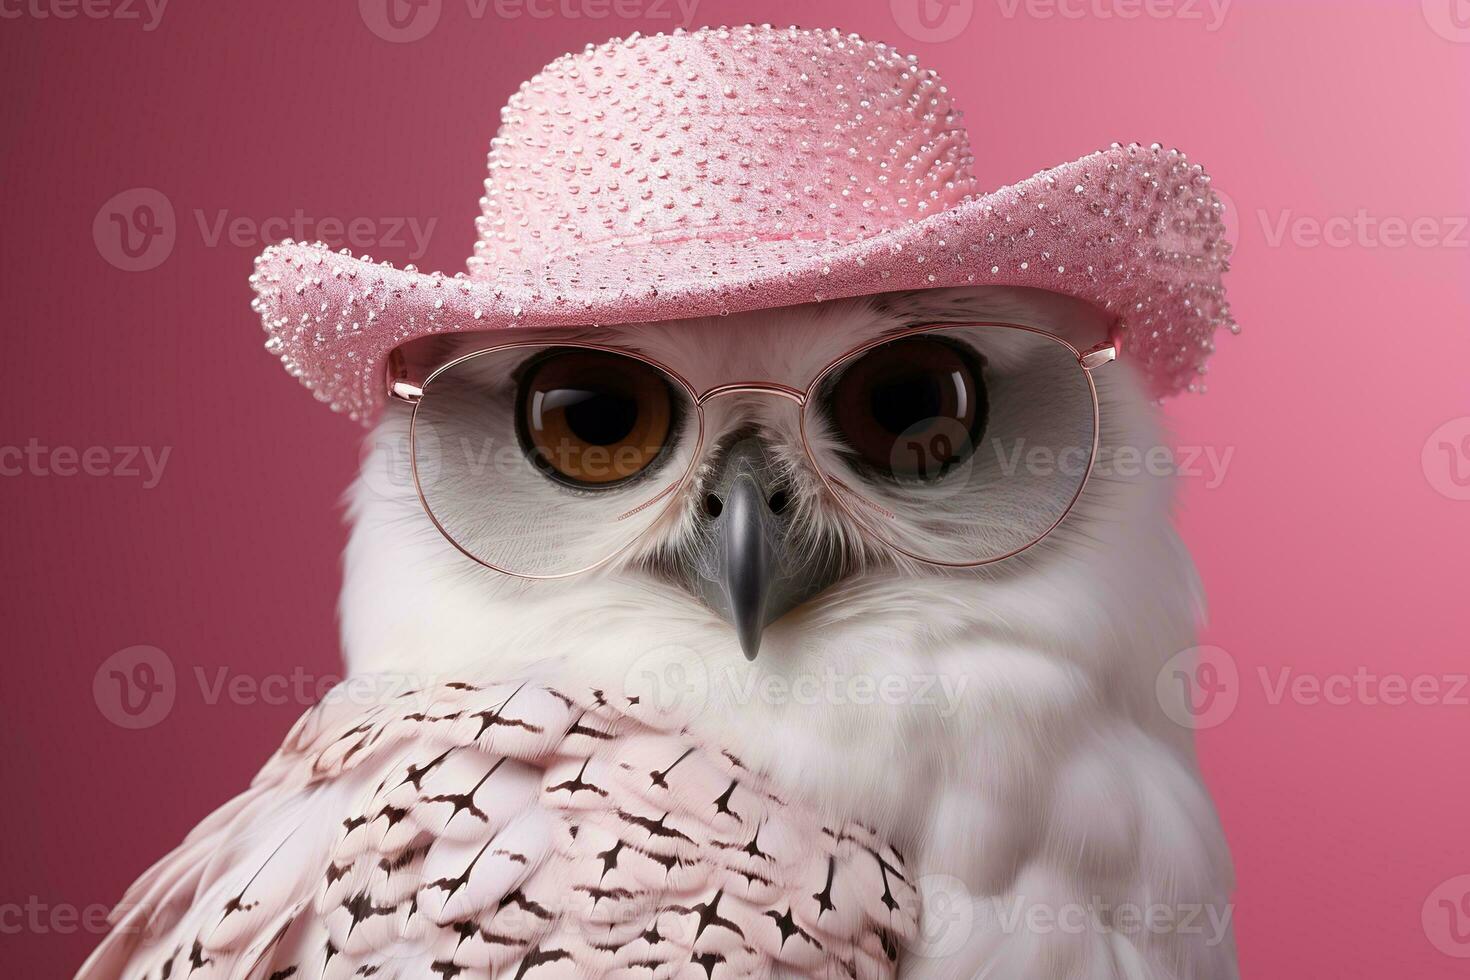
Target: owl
752, 590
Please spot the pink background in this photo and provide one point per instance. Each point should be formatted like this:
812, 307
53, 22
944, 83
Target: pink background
1332, 545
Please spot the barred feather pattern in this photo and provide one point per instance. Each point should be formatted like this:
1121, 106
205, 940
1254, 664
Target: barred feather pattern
467, 830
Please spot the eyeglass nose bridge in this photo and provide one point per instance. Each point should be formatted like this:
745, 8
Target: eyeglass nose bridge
775, 388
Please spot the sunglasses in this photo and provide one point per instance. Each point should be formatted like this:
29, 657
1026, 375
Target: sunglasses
953, 444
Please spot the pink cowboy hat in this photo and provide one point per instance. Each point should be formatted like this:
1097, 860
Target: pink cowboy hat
732, 169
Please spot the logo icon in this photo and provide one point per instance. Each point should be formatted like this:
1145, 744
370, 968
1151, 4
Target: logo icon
668, 680
1446, 459
1231, 216
135, 688
135, 230
400, 21
1199, 687
935, 447
1450, 19
932, 21
1446, 917
386, 461
947, 917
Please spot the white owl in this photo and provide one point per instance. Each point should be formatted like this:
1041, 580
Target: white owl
780, 638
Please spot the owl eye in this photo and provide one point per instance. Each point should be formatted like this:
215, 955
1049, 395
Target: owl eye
911, 408
593, 419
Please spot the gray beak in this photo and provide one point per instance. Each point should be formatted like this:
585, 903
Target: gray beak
747, 566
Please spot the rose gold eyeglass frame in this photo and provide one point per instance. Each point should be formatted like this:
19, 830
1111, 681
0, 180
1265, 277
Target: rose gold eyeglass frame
1088, 360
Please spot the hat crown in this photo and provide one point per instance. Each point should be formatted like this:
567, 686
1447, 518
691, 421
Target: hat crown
720, 134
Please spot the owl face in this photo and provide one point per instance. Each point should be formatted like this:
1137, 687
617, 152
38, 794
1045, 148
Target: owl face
812, 530
768, 478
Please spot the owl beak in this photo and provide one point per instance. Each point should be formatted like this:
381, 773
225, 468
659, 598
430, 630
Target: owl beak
745, 566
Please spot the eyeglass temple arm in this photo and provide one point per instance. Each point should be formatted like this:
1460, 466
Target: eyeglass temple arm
396, 378
1105, 352
405, 391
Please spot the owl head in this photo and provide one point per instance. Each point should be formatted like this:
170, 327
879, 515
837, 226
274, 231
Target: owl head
856, 489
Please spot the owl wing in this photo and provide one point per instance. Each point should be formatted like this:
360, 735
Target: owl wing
472, 829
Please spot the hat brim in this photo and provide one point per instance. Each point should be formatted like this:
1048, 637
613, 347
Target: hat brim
1135, 231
